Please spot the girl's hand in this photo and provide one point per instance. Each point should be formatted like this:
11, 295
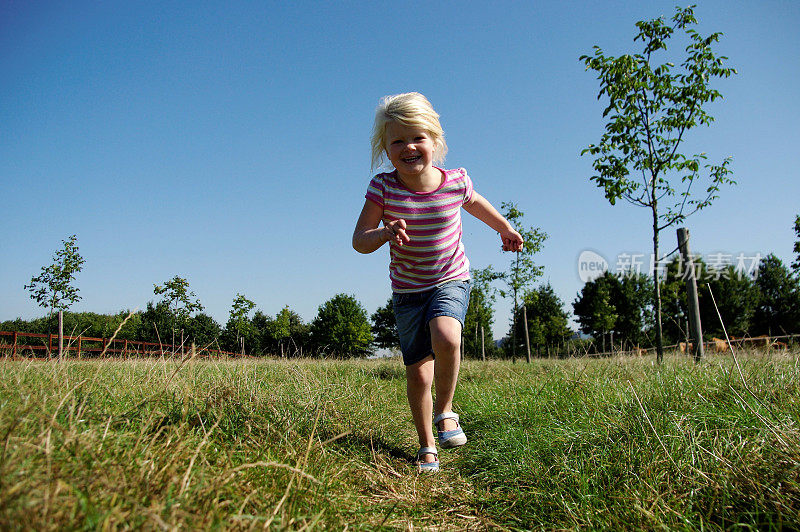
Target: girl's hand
396, 231
512, 241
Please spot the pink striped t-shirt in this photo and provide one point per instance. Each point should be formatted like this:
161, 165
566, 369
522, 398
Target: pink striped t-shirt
435, 253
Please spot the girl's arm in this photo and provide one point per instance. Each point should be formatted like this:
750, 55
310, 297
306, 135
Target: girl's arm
367, 237
480, 208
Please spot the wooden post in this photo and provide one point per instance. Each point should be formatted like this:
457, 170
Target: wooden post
686, 338
514, 332
476, 340
527, 336
691, 293
60, 335
14, 350
79, 347
483, 346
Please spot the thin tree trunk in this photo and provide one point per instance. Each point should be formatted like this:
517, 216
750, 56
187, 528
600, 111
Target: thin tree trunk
527, 336
657, 286
514, 330
514, 317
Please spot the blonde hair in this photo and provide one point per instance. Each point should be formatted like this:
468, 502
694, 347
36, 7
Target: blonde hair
410, 109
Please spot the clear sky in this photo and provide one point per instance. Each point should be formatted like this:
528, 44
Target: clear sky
228, 142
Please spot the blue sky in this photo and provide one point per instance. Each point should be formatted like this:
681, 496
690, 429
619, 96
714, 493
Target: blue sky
228, 142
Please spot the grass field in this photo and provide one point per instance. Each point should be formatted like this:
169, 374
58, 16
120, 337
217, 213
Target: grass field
610, 443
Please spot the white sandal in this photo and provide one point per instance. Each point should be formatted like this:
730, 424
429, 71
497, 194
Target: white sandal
428, 467
450, 438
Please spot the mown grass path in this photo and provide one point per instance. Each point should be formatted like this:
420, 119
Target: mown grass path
614, 443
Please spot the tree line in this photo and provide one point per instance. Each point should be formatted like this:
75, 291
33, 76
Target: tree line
615, 310
342, 328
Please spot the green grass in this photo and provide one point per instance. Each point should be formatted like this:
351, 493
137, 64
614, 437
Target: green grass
601, 444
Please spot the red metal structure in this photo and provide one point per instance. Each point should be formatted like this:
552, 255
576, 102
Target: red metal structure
19, 344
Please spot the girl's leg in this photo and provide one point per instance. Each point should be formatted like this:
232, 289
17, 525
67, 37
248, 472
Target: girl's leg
419, 378
446, 343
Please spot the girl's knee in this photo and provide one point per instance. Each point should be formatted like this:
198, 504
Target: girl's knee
445, 333
421, 373
446, 345
419, 380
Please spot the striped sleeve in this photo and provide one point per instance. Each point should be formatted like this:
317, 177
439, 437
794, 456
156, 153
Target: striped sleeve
375, 190
468, 188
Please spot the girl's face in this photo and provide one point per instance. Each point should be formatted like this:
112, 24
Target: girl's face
410, 149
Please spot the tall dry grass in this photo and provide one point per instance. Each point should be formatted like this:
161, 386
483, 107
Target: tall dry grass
613, 443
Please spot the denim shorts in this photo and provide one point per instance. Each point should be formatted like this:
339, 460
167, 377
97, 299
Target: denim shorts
413, 312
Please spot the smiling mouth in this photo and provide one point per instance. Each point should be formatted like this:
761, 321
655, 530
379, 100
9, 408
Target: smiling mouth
410, 160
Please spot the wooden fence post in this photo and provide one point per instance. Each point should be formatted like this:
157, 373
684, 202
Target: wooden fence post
60, 335
14, 350
691, 293
527, 336
483, 346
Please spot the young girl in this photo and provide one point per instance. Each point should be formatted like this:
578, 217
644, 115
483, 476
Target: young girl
420, 207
